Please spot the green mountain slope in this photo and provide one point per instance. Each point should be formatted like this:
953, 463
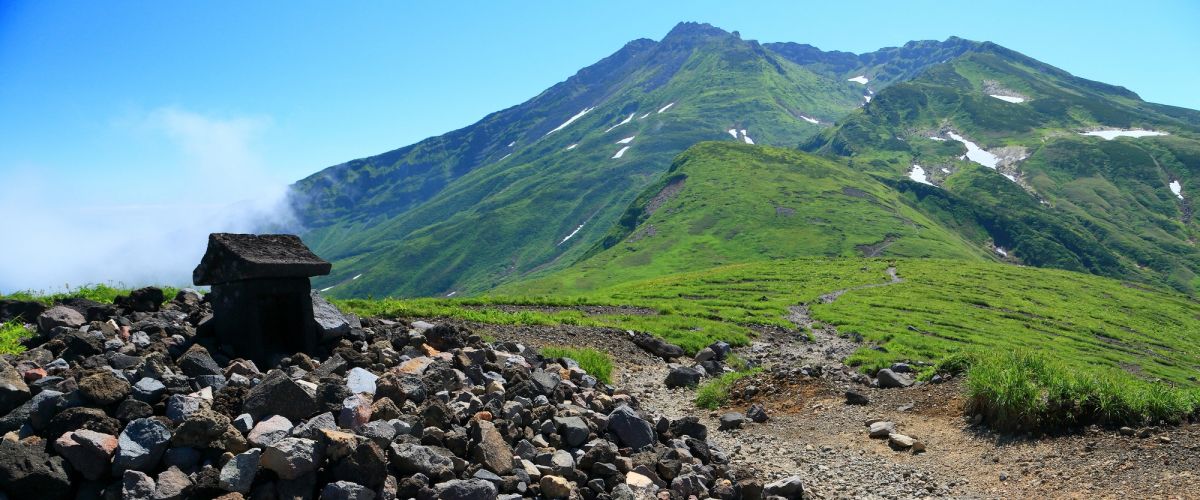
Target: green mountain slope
494, 201
723, 203
1056, 198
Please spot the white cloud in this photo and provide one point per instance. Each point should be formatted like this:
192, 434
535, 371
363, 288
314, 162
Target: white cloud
62, 232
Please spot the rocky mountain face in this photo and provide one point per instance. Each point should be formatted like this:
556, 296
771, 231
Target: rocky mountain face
533, 189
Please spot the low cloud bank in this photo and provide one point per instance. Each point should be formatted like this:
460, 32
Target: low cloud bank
59, 233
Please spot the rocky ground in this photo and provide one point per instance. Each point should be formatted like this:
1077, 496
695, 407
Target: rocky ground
133, 401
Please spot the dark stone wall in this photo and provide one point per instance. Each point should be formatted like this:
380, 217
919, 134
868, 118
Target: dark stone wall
264, 319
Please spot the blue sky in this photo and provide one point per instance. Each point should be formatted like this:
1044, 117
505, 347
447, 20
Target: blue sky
156, 110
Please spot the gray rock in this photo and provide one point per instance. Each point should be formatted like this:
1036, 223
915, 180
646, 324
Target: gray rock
140, 445
60, 316
311, 429
238, 473
104, 388
890, 379
13, 390
361, 381
630, 429
900, 441
409, 458
346, 490
136, 485
574, 430
268, 431
27, 471
197, 362
855, 398
243, 423
182, 406
757, 413
331, 323
683, 376
278, 394
789, 487
172, 484
731, 420
468, 489
43, 407
882, 429
291, 457
655, 345
148, 390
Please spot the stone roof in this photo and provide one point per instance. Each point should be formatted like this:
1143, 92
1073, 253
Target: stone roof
235, 257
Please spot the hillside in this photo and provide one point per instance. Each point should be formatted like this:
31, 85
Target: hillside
542, 182
1116, 202
723, 203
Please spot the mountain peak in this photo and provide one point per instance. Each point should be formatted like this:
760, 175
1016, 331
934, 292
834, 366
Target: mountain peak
691, 31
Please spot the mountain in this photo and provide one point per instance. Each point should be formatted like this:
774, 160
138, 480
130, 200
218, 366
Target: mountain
557, 192
1043, 190
534, 186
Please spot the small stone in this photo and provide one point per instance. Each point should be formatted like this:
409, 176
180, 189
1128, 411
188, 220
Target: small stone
683, 377
900, 441
355, 412
1127, 431
172, 484
555, 487
268, 431
880, 430
757, 413
361, 381
136, 485
855, 398
469, 489
346, 490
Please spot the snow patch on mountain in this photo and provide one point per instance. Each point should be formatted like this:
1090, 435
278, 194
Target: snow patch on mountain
564, 240
664, 108
626, 120
859, 79
939, 139
643, 117
621, 152
733, 132
1109, 135
571, 120
867, 98
976, 153
809, 120
1176, 189
1001, 251
505, 156
918, 174
626, 140
573, 146
1009, 98
511, 144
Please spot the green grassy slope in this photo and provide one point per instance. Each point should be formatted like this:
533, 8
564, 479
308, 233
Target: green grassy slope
1079, 203
723, 203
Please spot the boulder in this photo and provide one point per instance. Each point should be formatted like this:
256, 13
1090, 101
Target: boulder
140, 445
172, 484
238, 473
292, 457
410, 458
136, 485
655, 345
269, 430
361, 381
104, 388
789, 487
731, 421
146, 299
855, 398
89, 452
631, 430
490, 450
890, 379
683, 376
757, 413
60, 316
555, 487
26, 471
331, 324
881, 429
13, 390
278, 394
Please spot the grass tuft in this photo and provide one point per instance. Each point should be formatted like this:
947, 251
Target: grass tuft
598, 364
715, 393
11, 335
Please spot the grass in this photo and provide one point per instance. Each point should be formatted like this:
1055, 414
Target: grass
11, 334
99, 292
715, 393
1022, 391
1124, 352
598, 364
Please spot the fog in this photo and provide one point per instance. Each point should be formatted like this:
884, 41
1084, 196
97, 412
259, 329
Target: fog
69, 226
